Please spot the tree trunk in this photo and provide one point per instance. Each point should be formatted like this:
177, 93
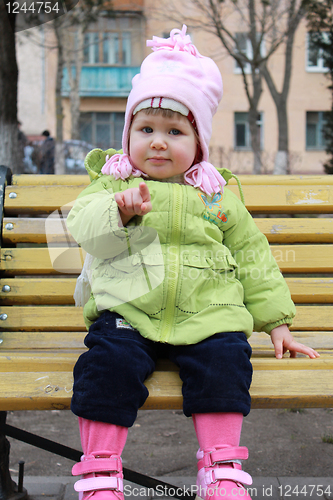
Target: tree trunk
255, 140
75, 82
59, 166
253, 120
9, 147
281, 163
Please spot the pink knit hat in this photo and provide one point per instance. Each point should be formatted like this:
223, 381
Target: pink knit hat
176, 71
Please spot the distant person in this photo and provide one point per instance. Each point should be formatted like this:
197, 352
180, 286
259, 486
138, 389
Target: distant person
22, 142
47, 150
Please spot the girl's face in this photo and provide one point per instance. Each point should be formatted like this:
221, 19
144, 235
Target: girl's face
162, 146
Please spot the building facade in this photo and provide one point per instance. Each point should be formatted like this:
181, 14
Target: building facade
114, 48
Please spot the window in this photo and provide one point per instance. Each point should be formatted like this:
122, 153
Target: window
114, 41
107, 48
315, 55
103, 130
242, 131
245, 47
315, 123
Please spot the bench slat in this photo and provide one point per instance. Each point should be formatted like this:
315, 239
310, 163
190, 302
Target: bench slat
16, 341
290, 258
59, 290
272, 387
268, 198
48, 318
26, 261
69, 340
277, 230
40, 199
53, 180
35, 291
83, 179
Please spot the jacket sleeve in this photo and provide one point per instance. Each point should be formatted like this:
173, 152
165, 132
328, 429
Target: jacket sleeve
266, 294
95, 224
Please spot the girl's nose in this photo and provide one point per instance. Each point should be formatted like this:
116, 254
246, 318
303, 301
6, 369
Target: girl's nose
158, 142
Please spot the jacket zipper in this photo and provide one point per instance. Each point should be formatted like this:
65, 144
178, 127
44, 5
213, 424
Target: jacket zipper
173, 262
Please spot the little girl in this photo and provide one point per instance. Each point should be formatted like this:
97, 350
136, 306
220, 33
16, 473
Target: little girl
173, 274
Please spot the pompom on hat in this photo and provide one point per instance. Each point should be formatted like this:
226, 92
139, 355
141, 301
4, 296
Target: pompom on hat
176, 76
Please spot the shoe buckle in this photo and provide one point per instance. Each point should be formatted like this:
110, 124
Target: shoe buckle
210, 477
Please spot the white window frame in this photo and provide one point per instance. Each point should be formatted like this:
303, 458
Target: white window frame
320, 141
260, 122
320, 67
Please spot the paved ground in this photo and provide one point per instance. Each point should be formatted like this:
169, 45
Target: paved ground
291, 452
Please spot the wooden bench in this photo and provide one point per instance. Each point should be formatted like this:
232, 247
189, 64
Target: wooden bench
42, 331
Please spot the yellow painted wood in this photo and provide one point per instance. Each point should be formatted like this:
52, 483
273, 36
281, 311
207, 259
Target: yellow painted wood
71, 180
317, 340
35, 390
40, 199
29, 230
59, 290
62, 318
41, 341
49, 180
23, 291
311, 290
35, 361
304, 258
276, 384
290, 259
313, 318
277, 230
69, 340
268, 198
287, 199
303, 386
298, 230
42, 318
293, 180
52, 260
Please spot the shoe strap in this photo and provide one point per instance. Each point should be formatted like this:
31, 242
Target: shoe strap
208, 458
211, 476
99, 483
86, 466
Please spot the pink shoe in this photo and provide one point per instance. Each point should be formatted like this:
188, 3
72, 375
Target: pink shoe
220, 473
102, 476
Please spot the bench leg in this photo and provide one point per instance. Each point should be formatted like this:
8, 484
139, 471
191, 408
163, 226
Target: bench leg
8, 489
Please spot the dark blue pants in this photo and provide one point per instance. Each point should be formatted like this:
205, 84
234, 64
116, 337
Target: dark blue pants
109, 377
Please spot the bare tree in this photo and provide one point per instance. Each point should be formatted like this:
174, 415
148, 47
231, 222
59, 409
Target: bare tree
296, 11
69, 31
265, 25
8, 87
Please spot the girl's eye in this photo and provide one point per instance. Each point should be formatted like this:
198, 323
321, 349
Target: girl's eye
175, 131
147, 130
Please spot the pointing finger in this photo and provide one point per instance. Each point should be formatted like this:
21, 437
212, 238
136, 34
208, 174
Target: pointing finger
144, 191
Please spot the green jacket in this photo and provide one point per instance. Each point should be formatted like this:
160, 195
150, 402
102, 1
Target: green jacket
192, 267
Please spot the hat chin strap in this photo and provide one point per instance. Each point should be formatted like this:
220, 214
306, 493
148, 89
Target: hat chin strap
202, 175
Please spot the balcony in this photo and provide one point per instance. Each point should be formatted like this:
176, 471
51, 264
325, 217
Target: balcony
103, 81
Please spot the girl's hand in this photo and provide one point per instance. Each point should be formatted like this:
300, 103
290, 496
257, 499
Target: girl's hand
284, 341
133, 201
